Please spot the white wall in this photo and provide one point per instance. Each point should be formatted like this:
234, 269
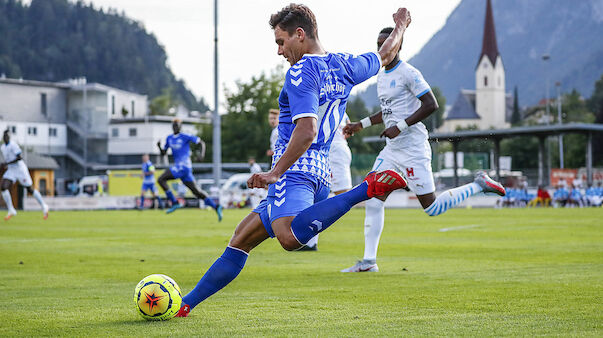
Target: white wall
145, 141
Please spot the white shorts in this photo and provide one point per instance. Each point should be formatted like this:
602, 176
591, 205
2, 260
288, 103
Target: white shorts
18, 173
414, 164
340, 159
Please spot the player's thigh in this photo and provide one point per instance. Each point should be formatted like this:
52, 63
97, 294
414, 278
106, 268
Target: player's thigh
165, 176
249, 233
386, 160
24, 178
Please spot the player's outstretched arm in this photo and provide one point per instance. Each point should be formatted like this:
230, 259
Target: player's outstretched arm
429, 104
392, 44
161, 150
355, 127
302, 137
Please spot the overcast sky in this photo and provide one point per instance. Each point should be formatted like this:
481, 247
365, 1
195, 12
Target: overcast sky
246, 42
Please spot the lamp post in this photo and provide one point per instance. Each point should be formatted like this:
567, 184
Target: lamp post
559, 118
216, 142
545, 59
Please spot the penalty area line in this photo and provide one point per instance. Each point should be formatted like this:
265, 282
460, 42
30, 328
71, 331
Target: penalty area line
460, 227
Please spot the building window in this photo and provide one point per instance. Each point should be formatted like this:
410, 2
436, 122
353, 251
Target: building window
115, 132
32, 131
132, 108
12, 129
52, 132
132, 132
485, 81
43, 104
112, 104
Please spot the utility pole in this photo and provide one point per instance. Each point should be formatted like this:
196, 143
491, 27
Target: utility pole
217, 138
558, 84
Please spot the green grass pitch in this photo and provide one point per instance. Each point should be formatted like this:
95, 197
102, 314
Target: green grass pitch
494, 272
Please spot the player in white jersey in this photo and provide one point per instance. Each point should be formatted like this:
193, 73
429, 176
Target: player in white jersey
273, 121
406, 99
16, 170
340, 159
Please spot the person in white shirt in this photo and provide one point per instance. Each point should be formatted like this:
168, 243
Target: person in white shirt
406, 99
16, 170
340, 159
273, 121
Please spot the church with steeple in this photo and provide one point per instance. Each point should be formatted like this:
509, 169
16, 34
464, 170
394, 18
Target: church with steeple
488, 106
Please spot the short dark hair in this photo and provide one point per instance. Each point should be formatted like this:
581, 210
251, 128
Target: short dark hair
293, 16
387, 30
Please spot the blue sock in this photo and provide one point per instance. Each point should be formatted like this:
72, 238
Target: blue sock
141, 201
210, 202
315, 219
159, 201
169, 195
223, 271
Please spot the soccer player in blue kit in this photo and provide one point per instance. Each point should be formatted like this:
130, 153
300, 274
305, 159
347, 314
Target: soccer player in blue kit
183, 167
148, 182
312, 105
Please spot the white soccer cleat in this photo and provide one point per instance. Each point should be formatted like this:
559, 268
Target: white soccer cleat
362, 266
11, 213
45, 210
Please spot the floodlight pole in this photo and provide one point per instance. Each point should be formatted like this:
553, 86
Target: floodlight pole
558, 84
217, 138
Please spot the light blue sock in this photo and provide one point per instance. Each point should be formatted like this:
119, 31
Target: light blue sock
452, 197
224, 270
315, 219
169, 195
210, 202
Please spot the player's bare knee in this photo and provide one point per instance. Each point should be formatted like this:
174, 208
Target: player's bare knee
288, 242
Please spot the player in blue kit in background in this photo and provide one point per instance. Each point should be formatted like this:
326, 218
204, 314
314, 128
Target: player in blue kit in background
148, 182
183, 167
312, 104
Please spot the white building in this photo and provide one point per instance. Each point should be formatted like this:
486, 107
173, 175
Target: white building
86, 127
488, 106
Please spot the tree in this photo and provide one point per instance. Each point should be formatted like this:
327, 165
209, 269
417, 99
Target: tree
245, 129
516, 116
435, 120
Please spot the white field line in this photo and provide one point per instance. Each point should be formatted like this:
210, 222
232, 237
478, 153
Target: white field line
460, 227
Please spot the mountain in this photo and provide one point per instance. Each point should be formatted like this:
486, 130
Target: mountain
569, 31
53, 40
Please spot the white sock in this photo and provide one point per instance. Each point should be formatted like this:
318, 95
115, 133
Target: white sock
7, 199
373, 226
452, 197
38, 197
313, 241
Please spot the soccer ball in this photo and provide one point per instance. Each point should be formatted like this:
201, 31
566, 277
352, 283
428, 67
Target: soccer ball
157, 297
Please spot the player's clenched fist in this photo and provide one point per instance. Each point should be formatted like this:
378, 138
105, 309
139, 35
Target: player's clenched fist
261, 180
402, 17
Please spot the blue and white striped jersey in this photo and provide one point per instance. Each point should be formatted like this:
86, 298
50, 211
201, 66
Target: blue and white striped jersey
319, 86
146, 168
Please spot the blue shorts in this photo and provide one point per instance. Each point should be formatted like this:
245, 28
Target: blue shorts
184, 173
149, 186
294, 192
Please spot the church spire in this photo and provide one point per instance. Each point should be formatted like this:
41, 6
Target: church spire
489, 46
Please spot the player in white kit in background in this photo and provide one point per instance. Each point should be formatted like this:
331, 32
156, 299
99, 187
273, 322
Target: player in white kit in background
16, 170
273, 121
406, 99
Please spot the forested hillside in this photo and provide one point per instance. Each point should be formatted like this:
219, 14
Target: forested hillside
53, 40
